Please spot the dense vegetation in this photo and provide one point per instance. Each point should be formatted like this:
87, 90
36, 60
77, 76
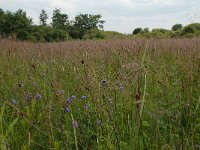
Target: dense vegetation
115, 94
17, 25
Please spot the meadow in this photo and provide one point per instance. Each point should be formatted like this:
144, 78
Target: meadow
117, 94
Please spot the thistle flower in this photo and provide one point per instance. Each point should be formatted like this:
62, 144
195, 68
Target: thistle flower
75, 124
68, 100
28, 97
38, 96
83, 97
103, 83
86, 107
67, 110
14, 102
99, 122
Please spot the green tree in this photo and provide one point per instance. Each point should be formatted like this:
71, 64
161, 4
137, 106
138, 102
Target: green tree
15, 24
177, 27
59, 20
137, 31
85, 22
1, 20
43, 18
191, 30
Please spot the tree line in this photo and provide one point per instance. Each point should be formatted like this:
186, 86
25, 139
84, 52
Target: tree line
18, 25
177, 31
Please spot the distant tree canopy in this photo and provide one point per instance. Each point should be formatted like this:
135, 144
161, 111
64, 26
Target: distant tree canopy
137, 30
177, 31
59, 20
86, 22
177, 27
43, 18
19, 26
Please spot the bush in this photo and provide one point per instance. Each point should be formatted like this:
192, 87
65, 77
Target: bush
93, 34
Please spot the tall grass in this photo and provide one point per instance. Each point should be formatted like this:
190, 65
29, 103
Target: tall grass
149, 98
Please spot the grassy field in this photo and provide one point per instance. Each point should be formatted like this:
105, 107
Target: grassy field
117, 94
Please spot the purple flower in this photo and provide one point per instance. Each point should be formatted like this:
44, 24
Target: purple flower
67, 110
38, 96
103, 83
75, 124
68, 100
86, 107
83, 97
28, 97
99, 122
73, 97
13, 102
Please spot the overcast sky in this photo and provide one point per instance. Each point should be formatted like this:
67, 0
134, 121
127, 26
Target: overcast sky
120, 15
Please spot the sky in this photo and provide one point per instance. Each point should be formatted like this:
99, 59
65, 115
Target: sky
120, 15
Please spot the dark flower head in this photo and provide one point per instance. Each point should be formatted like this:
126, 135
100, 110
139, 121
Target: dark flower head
67, 110
99, 122
14, 102
103, 83
38, 96
28, 97
86, 107
69, 100
75, 124
83, 97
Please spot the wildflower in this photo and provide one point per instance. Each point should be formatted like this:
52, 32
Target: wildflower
28, 97
75, 124
110, 101
99, 122
103, 83
86, 107
83, 97
67, 110
68, 100
73, 97
13, 102
38, 96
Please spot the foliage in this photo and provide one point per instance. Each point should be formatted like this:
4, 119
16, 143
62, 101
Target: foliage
48, 34
43, 18
15, 24
191, 30
137, 30
86, 22
59, 20
177, 27
93, 34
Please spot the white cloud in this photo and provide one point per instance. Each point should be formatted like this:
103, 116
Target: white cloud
120, 15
